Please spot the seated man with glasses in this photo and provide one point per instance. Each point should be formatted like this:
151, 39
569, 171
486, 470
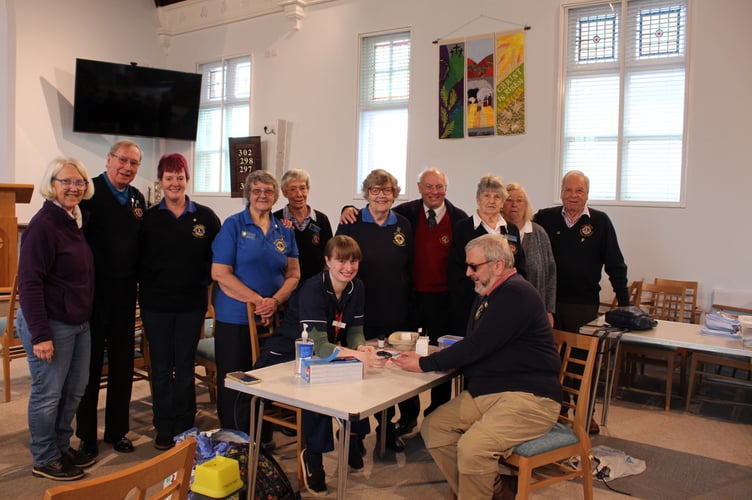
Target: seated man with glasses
511, 371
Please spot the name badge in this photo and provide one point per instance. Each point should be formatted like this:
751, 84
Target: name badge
339, 324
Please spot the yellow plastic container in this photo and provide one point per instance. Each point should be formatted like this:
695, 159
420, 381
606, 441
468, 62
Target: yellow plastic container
217, 478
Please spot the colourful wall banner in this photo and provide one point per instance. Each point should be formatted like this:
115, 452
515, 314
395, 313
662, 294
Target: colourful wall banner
480, 110
451, 90
510, 83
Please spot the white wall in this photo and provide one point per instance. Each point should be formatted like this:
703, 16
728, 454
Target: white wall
311, 82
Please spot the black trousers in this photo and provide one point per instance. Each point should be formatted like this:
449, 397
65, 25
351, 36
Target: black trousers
112, 327
173, 337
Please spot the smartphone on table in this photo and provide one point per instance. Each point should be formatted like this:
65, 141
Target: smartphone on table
244, 378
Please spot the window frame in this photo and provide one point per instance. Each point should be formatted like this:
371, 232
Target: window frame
225, 106
625, 65
390, 105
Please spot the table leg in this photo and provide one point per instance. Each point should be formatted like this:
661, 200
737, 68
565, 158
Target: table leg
596, 378
254, 447
382, 436
613, 356
344, 445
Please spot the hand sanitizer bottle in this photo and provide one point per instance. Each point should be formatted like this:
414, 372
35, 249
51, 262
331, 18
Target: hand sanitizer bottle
303, 349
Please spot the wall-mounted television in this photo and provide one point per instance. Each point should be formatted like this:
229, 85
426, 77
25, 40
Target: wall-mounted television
127, 99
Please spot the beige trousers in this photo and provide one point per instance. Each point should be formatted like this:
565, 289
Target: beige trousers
467, 436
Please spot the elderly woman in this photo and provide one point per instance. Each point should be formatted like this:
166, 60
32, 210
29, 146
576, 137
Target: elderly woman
490, 196
175, 264
312, 228
386, 239
255, 259
55, 285
539, 258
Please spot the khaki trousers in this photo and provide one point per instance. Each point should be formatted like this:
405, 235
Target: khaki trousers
467, 436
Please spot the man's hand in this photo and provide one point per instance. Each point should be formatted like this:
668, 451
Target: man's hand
408, 360
348, 215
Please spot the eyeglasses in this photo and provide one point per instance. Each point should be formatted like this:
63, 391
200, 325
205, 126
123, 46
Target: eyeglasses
376, 190
124, 161
440, 188
259, 192
69, 183
474, 267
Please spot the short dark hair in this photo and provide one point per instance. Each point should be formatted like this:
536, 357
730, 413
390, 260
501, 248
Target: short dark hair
174, 163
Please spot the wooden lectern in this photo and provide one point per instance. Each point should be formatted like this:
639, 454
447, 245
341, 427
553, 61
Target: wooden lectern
10, 194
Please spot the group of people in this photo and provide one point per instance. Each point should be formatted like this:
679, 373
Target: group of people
496, 277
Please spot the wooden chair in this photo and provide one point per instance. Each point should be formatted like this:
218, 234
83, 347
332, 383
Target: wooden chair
665, 302
281, 414
690, 312
144, 476
11, 344
539, 462
717, 367
635, 293
205, 352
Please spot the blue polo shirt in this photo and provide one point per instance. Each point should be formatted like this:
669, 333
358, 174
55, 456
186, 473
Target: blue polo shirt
258, 260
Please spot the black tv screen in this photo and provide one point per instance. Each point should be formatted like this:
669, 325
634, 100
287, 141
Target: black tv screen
125, 99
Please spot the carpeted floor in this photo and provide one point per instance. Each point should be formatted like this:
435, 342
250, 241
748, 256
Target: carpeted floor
688, 455
676, 475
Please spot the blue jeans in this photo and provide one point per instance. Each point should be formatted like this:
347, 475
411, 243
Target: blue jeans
56, 387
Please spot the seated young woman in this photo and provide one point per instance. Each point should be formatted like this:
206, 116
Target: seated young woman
331, 303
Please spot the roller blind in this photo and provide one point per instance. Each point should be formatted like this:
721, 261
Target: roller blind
383, 96
224, 112
623, 104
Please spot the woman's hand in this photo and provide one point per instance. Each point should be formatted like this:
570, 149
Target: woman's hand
367, 355
266, 308
44, 350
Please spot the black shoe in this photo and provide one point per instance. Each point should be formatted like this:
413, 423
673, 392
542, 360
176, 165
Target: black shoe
122, 445
268, 446
58, 470
89, 447
355, 453
79, 458
405, 427
288, 431
393, 441
164, 441
313, 473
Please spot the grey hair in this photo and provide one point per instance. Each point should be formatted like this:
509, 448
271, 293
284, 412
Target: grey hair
577, 173
262, 176
435, 171
493, 247
54, 168
491, 183
295, 174
379, 177
516, 186
126, 144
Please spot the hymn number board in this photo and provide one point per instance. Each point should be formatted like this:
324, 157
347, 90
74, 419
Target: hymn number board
245, 156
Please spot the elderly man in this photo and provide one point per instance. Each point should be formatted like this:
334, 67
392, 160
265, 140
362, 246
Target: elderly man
584, 242
117, 209
510, 366
432, 218
312, 228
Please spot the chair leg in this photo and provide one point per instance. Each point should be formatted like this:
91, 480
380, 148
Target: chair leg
669, 379
524, 478
691, 383
6, 375
587, 477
